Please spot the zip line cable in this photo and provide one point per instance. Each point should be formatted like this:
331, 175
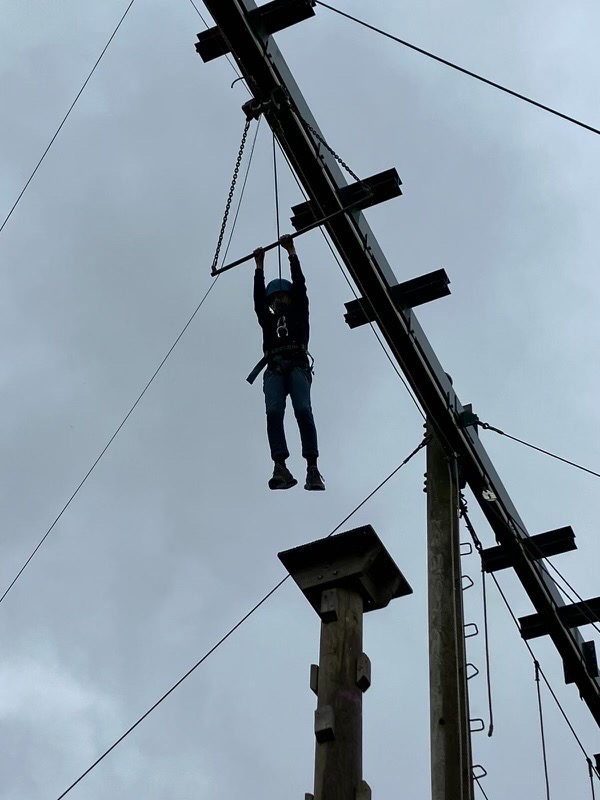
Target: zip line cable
276, 182
227, 56
139, 397
66, 116
471, 529
462, 69
487, 427
352, 289
236, 626
542, 733
480, 787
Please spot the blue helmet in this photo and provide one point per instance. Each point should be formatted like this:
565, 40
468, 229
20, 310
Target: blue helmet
278, 285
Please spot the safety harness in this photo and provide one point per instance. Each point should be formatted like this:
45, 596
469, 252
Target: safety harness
277, 355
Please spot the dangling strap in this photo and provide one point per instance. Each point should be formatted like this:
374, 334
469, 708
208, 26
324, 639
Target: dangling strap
275, 352
257, 369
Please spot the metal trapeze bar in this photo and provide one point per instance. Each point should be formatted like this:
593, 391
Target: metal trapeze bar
271, 246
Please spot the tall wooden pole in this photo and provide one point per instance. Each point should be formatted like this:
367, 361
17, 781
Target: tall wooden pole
338, 718
449, 715
342, 577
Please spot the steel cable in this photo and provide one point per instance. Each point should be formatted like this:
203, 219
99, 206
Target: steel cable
235, 627
139, 397
463, 70
66, 116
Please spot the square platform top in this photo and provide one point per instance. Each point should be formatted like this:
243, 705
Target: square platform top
355, 560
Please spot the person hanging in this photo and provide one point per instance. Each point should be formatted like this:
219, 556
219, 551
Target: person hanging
282, 311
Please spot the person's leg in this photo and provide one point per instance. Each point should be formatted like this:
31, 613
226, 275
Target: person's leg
275, 394
299, 384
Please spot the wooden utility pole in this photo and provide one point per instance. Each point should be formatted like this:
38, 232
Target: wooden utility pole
338, 718
449, 715
342, 577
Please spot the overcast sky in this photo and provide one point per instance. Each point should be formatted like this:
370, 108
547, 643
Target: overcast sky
175, 535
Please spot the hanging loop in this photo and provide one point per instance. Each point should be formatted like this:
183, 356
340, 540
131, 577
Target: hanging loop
474, 630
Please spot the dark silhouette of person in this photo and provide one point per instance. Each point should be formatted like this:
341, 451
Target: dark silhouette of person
282, 311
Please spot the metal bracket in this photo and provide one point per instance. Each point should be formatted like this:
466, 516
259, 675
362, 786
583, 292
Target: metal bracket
589, 656
408, 294
471, 625
363, 672
542, 545
314, 678
360, 195
363, 791
468, 418
324, 724
266, 19
253, 108
329, 606
571, 616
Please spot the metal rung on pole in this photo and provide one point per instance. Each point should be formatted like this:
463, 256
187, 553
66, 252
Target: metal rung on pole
308, 228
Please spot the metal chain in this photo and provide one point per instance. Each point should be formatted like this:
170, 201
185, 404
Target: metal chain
230, 195
340, 160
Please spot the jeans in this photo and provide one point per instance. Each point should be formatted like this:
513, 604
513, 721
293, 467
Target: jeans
277, 385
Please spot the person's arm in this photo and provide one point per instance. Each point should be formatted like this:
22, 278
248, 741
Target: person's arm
298, 279
261, 306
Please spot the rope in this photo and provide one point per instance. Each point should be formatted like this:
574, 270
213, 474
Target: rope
66, 116
276, 182
487, 654
463, 70
139, 397
539, 699
486, 426
234, 628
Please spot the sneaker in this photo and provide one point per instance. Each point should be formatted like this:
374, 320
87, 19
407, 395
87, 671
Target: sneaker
282, 478
314, 480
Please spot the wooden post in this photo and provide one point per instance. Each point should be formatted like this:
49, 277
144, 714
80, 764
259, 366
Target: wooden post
449, 714
338, 718
342, 577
